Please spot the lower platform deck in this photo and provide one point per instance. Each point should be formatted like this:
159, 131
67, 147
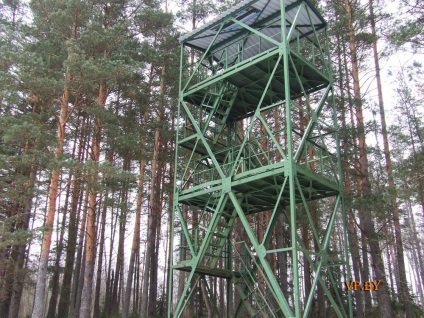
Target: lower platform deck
204, 270
260, 188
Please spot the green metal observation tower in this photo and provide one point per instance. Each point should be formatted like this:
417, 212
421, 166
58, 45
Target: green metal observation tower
258, 219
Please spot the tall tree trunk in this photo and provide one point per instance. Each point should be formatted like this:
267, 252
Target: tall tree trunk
96, 309
80, 281
22, 218
363, 266
38, 309
135, 249
51, 312
146, 265
19, 261
120, 253
402, 283
369, 227
77, 194
417, 246
282, 256
170, 208
91, 232
352, 237
417, 243
99, 277
148, 302
153, 288
156, 205
18, 275
110, 272
75, 295
206, 299
40, 289
137, 287
390, 261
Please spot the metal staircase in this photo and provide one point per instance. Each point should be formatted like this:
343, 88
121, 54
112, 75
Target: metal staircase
249, 281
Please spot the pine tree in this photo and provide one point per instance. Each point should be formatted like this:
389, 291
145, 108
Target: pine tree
21, 141
409, 29
368, 223
402, 281
62, 116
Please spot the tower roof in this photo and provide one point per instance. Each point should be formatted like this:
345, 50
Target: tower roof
261, 15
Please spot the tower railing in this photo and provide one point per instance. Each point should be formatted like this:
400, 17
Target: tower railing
236, 52
257, 153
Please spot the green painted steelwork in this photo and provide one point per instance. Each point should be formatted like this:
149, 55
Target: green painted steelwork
258, 141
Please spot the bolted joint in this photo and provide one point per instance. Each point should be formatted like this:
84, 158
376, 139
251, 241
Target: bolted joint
261, 251
226, 185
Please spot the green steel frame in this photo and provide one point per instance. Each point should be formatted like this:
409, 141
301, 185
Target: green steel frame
258, 140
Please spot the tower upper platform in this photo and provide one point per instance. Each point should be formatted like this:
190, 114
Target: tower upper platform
263, 15
243, 45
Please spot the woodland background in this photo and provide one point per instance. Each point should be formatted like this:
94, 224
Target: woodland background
87, 127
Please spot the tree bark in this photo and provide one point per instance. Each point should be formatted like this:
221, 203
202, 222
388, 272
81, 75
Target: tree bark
91, 232
96, 309
40, 289
18, 272
110, 272
417, 246
18, 253
75, 295
282, 256
51, 312
369, 227
206, 299
77, 194
155, 203
38, 309
120, 254
146, 265
352, 236
402, 282
169, 272
135, 249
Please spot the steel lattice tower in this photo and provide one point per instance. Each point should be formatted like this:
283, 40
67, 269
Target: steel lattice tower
258, 183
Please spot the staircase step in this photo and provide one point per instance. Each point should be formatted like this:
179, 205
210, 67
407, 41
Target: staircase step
227, 215
262, 307
211, 255
219, 235
221, 224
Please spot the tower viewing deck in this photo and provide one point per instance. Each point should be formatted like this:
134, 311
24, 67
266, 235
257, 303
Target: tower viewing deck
258, 188
246, 49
